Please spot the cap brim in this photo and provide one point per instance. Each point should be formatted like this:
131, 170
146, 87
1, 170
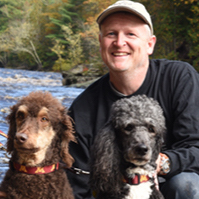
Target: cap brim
121, 8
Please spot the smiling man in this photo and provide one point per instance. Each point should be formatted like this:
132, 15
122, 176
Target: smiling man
125, 45
126, 41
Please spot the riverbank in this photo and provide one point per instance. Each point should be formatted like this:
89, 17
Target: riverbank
78, 81
81, 76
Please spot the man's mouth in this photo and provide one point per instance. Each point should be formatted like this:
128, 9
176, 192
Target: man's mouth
120, 54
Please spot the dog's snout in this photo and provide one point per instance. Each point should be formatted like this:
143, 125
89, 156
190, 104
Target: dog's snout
21, 138
141, 149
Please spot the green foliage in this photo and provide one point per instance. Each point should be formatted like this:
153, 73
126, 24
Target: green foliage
59, 34
64, 17
73, 54
176, 24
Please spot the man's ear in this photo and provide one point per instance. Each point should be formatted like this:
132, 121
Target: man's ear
151, 44
99, 39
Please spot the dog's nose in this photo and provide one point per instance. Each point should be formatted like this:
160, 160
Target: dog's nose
141, 149
21, 138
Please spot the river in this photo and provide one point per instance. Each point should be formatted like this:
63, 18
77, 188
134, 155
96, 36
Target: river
17, 83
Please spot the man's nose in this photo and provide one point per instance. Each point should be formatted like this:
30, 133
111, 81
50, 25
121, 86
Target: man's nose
120, 40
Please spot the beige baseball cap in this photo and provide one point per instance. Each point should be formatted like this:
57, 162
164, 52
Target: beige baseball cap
128, 6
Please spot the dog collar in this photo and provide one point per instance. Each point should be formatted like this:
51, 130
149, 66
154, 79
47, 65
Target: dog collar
36, 170
136, 180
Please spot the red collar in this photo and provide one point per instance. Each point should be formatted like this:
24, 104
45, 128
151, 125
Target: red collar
136, 180
36, 170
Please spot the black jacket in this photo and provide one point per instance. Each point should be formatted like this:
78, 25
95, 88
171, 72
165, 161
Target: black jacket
175, 85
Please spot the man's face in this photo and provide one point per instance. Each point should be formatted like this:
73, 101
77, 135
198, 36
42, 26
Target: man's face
125, 42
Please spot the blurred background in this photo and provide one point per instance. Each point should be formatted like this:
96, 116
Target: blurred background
57, 35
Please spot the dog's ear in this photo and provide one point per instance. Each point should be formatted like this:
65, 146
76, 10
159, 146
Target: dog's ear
11, 119
105, 161
67, 136
159, 140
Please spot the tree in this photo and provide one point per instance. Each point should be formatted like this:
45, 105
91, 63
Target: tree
17, 39
8, 12
24, 29
176, 27
90, 30
74, 50
62, 17
193, 32
30, 29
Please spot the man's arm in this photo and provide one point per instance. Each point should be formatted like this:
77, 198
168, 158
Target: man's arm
79, 182
80, 151
183, 135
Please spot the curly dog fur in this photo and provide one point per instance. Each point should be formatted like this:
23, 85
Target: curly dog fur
39, 134
129, 144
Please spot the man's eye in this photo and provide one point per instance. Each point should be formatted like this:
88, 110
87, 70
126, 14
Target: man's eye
131, 34
111, 33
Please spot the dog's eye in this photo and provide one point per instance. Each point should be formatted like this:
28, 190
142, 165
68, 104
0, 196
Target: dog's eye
44, 119
20, 115
151, 129
129, 127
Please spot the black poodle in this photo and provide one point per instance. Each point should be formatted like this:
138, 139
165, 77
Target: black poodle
125, 151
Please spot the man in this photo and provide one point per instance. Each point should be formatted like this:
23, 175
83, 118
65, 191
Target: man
126, 41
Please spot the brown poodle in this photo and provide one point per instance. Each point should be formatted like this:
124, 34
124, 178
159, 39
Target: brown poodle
38, 138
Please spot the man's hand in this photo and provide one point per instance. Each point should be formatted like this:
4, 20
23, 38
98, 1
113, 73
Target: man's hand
158, 161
